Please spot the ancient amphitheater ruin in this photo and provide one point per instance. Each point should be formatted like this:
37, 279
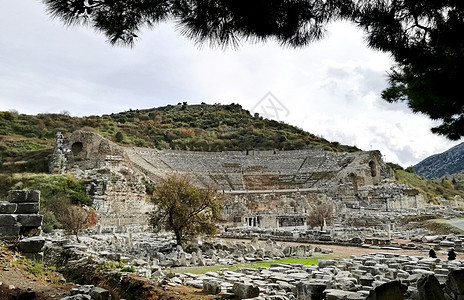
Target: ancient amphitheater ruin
263, 189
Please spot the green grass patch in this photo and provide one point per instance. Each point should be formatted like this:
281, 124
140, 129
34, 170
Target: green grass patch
128, 269
111, 265
266, 263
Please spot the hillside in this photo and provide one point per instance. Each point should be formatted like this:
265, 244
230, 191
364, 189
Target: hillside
26, 141
456, 180
446, 163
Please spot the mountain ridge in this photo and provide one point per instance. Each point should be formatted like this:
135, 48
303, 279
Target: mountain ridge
438, 165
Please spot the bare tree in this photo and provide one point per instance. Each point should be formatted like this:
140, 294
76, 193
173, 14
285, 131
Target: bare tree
74, 218
320, 212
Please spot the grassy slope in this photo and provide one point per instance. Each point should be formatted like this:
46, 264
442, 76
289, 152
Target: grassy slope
432, 190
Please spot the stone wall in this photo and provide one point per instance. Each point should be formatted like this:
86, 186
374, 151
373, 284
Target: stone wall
271, 209
115, 187
20, 221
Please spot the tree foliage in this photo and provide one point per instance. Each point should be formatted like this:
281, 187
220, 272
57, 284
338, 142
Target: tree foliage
184, 209
424, 37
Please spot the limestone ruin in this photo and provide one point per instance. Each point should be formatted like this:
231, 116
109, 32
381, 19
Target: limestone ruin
262, 188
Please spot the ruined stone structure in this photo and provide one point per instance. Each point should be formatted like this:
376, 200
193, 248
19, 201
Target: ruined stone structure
262, 188
20, 220
118, 193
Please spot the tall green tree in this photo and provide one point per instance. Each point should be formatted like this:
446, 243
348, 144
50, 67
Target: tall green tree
184, 209
423, 36
427, 42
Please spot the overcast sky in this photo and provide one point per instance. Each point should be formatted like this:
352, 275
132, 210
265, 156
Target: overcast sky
330, 88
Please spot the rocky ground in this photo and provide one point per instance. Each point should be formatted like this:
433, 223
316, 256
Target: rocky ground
21, 280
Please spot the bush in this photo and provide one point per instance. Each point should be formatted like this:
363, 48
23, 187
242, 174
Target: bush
119, 137
49, 222
128, 269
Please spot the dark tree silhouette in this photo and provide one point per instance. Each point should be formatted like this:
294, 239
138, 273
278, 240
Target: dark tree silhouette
427, 42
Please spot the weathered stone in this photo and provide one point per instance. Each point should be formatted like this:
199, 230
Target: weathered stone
32, 220
7, 207
33, 196
84, 289
366, 280
8, 220
38, 257
31, 245
429, 288
455, 281
77, 297
244, 290
313, 290
212, 287
323, 263
97, 293
387, 291
17, 196
9, 231
332, 294
20, 196
28, 208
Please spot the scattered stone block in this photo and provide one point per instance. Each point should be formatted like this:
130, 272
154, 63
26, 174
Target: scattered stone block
84, 289
323, 263
245, 290
38, 257
332, 294
310, 290
98, 293
212, 287
387, 291
30, 245
429, 288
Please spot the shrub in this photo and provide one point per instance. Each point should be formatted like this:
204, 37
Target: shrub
49, 222
119, 137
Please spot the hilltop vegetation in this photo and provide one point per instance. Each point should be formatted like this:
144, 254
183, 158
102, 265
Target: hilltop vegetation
457, 180
27, 140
